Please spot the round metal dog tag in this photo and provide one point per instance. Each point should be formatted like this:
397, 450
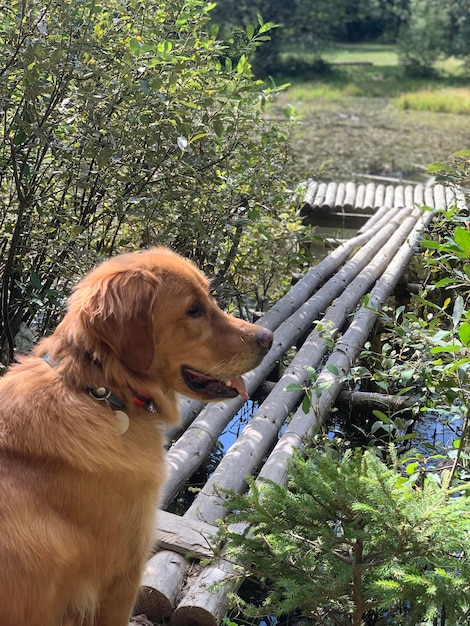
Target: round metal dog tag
122, 421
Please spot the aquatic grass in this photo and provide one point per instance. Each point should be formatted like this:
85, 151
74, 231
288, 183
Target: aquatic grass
455, 100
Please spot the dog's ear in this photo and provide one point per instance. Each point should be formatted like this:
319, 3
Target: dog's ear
119, 313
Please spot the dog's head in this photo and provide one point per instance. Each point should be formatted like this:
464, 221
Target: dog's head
150, 314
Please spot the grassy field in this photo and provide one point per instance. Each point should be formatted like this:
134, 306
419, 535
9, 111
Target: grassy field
371, 70
377, 54
365, 117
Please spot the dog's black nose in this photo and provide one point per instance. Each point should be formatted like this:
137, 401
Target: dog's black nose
264, 338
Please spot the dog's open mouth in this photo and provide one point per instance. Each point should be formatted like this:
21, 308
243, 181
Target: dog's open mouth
210, 388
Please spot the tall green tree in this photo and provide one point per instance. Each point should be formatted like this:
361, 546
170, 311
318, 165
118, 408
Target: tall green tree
121, 127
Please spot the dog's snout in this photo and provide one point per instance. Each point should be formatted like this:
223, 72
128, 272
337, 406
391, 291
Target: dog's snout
264, 338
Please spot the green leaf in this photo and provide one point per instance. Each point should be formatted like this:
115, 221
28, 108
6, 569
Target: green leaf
464, 333
378, 425
306, 403
443, 283
407, 375
462, 237
218, 126
444, 349
35, 280
381, 416
242, 64
412, 467
294, 387
134, 45
434, 168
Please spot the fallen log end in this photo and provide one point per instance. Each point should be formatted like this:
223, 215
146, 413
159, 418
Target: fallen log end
152, 603
193, 615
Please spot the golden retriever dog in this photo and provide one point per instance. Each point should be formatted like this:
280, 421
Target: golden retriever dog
81, 441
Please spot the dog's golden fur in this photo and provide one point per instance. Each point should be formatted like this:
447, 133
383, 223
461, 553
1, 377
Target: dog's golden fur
77, 498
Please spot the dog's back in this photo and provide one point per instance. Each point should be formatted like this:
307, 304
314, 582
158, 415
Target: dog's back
69, 487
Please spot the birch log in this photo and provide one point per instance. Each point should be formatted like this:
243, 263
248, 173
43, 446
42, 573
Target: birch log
390, 196
318, 274
203, 600
310, 193
350, 196
296, 296
439, 197
435, 198
399, 197
376, 400
329, 203
379, 196
369, 196
190, 450
340, 193
409, 195
157, 579
418, 195
319, 196
260, 433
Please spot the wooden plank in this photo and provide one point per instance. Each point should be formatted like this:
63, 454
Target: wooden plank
369, 198
311, 192
360, 195
329, 203
350, 197
399, 196
319, 196
418, 195
390, 196
429, 197
340, 194
440, 201
409, 195
185, 536
379, 199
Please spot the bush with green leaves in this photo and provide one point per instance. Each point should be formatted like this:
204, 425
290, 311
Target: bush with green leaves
424, 35
122, 126
424, 347
352, 539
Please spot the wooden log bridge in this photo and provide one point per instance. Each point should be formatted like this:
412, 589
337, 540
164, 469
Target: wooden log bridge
350, 204
324, 317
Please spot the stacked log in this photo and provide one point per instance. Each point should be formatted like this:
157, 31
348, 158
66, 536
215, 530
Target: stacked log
367, 198
371, 263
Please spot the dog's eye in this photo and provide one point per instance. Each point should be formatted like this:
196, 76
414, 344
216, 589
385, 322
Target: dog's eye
195, 311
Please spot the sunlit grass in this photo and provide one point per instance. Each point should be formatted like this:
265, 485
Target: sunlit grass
370, 53
371, 70
455, 101
314, 92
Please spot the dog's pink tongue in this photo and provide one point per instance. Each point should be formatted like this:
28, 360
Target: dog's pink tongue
239, 384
